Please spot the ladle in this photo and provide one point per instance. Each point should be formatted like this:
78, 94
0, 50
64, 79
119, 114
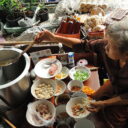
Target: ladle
25, 50
13, 56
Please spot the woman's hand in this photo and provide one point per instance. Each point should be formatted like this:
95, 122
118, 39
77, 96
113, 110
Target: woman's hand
96, 106
44, 35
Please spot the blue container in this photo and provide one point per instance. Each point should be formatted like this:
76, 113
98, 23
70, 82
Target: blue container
71, 59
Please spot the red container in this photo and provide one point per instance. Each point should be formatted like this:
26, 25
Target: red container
96, 35
67, 29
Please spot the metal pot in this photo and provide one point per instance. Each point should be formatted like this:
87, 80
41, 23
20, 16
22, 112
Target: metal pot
14, 80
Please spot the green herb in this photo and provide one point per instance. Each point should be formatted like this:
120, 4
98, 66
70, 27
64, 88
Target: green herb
81, 75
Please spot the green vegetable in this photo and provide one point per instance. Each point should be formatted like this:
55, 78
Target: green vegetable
81, 75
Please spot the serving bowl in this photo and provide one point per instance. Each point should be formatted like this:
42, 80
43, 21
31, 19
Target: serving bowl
43, 88
80, 73
76, 108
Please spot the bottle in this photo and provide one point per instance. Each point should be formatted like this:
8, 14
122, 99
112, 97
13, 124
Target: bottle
77, 27
70, 27
71, 61
62, 24
62, 55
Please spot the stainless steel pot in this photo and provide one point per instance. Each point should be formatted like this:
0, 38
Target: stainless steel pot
14, 80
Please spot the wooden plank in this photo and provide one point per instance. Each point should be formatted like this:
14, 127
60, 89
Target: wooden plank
24, 42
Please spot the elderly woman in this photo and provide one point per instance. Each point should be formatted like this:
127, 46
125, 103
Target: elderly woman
112, 97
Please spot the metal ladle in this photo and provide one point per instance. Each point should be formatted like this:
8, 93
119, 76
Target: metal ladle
11, 57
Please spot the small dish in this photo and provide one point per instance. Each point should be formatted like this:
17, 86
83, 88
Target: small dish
60, 87
61, 113
62, 99
63, 124
75, 86
63, 74
87, 90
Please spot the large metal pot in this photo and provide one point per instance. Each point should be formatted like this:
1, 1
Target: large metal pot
14, 80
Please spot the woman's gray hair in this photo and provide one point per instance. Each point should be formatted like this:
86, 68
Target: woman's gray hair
118, 31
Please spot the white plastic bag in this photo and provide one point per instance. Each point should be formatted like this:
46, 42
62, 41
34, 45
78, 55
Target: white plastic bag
66, 7
34, 118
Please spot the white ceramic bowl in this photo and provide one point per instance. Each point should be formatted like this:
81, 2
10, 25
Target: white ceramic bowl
63, 74
75, 83
41, 81
80, 73
60, 85
71, 103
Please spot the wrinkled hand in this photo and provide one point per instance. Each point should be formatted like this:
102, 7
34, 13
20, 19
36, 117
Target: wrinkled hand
96, 106
44, 35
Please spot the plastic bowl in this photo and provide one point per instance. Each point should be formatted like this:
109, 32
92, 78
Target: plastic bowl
11, 30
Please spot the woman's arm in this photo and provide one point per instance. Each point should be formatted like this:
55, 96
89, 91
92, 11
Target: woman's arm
67, 41
116, 101
96, 106
49, 36
46, 35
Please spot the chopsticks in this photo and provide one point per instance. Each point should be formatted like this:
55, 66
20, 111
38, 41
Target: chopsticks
9, 123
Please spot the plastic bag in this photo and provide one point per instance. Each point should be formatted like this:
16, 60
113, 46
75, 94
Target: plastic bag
66, 7
30, 33
35, 118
